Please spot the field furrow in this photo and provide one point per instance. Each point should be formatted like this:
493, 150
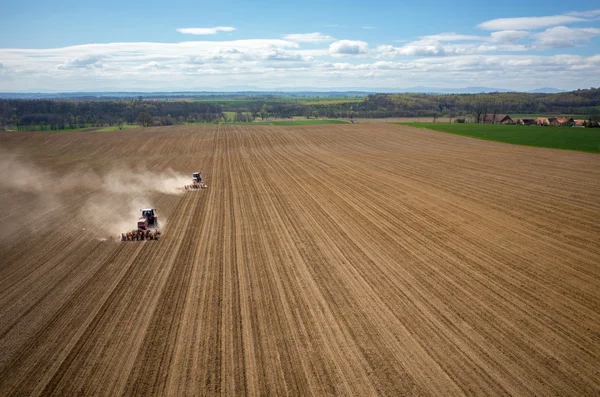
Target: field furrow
321, 260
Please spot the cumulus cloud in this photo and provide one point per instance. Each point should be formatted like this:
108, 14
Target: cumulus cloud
283, 55
528, 22
81, 63
276, 63
509, 36
204, 31
348, 47
425, 47
563, 37
285, 69
434, 48
316, 37
222, 55
452, 37
152, 65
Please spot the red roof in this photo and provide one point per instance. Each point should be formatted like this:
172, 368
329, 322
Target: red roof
562, 120
497, 118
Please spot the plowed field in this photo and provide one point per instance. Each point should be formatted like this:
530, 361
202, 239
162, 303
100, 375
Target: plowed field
321, 260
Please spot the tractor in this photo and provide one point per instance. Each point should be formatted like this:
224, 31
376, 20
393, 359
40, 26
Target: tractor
147, 227
196, 182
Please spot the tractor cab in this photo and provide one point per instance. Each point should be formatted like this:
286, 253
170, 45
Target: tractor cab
148, 214
196, 177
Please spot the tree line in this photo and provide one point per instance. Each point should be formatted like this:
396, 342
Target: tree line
56, 114
64, 114
580, 102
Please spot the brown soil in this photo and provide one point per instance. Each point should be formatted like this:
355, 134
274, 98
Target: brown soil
321, 260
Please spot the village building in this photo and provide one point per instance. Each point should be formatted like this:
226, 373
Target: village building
527, 121
542, 121
565, 121
497, 119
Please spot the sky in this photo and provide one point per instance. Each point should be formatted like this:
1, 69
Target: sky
71, 45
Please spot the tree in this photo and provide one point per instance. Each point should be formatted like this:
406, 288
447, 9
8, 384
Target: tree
263, 112
144, 119
239, 117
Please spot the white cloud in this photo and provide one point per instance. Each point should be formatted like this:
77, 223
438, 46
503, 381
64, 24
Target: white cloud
204, 31
452, 37
434, 48
425, 47
282, 70
348, 47
434, 60
283, 55
369, 27
152, 65
509, 36
81, 63
315, 37
585, 14
528, 22
562, 36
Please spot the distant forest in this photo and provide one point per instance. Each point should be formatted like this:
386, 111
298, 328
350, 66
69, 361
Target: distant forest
54, 114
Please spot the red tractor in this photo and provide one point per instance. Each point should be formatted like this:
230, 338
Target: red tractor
147, 227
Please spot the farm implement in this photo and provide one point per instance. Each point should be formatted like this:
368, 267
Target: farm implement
196, 182
147, 227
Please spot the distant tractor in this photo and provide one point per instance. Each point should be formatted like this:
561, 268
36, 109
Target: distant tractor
196, 182
196, 177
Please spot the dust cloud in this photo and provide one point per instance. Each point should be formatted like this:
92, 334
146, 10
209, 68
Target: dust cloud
34, 199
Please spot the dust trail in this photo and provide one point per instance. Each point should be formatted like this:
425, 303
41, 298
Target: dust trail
33, 199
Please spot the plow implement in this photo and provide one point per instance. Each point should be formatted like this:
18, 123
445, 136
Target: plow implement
196, 186
147, 227
140, 235
197, 182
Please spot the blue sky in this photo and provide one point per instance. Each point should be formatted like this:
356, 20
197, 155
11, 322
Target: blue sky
195, 45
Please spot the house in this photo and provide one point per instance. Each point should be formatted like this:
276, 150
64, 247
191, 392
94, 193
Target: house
497, 119
565, 120
527, 121
542, 121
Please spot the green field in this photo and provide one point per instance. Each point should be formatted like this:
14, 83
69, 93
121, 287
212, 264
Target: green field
231, 115
38, 128
116, 127
583, 139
